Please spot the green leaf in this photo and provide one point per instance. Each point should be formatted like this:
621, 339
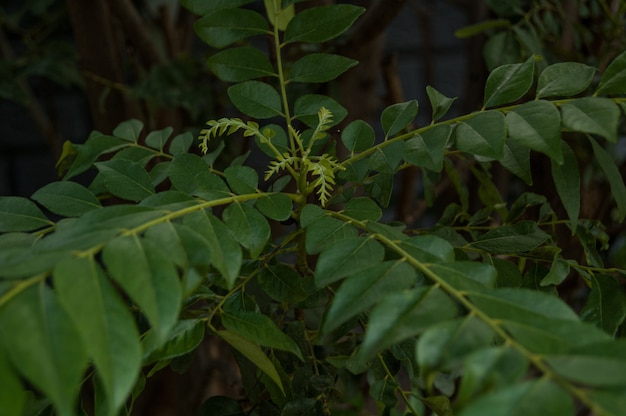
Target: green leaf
445, 344
240, 64
592, 115
307, 107
566, 177
387, 159
559, 270
319, 24
259, 329
225, 252
190, 174
96, 144
426, 150
181, 143
397, 117
323, 231
482, 135
279, 14
364, 289
517, 160
43, 344
478, 28
564, 79
276, 135
126, 179
358, 136
466, 275
319, 67
439, 103
248, 226
380, 187
253, 353
507, 239
20, 214
105, 324
12, 394
67, 198
606, 304
129, 130
403, 315
202, 7
362, 209
158, 138
501, 49
184, 338
276, 206
227, 26
613, 80
256, 99
242, 179
536, 125
613, 175
428, 249
540, 397
508, 83
346, 257
282, 283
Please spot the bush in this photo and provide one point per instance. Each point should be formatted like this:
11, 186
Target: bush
299, 273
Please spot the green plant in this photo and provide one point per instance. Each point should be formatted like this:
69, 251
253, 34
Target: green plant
299, 274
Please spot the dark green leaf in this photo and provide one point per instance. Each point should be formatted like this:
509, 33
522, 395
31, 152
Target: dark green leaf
380, 187
319, 67
482, 135
96, 145
508, 83
227, 26
181, 143
466, 275
185, 337
278, 138
439, 103
321, 230
248, 226
428, 249
346, 257
397, 117
43, 345
517, 160
358, 136
307, 106
387, 159
20, 214
593, 115
242, 179
613, 80
426, 150
362, 209
240, 64
319, 24
282, 283
157, 139
129, 130
518, 238
126, 179
256, 99
275, 206
12, 394
567, 181
564, 79
606, 304
501, 49
190, 174
613, 175
202, 7
536, 125
169, 201
364, 289
478, 28
67, 198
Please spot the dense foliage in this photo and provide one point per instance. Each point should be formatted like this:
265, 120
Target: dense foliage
318, 296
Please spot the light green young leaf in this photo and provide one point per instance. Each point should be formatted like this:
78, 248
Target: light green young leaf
319, 67
319, 24
426, 150
439, 103
606, 304
44, 345
402, 315
248, 226
307, 107
564, 79
105, 324
129, 130
227, 26
279, 16
253, 353
126, 179
259, 329
346, 257
20, 214
256, 99
397, 117
358, 136
566, 177
67, 198
613, 80
190, 174
527, 398
158, 138
202, 7
508, 83
507, 239
482, 135
536, 125
240, 64
593, 115
613, 175
148, 278
366, 288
